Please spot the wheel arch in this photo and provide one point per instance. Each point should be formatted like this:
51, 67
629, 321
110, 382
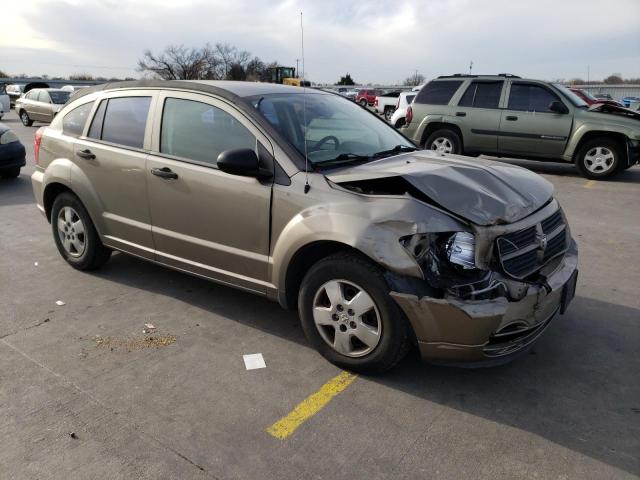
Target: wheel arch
301, 261
441, 125
587, 136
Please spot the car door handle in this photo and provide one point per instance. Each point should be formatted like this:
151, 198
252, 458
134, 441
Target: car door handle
164, 172
86, 154
511, 118
461, 114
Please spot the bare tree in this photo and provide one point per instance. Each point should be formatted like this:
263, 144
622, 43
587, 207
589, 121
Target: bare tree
178, 62
3, 74
415, 79
79, 76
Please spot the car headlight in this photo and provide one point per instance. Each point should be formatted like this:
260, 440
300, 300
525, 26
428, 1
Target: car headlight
8, 137
447, 261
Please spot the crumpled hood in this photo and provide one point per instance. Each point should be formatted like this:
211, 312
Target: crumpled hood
481, 191
614, 110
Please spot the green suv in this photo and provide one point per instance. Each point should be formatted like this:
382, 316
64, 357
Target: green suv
505, 115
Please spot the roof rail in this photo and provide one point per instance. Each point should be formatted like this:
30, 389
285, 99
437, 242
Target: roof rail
466, 75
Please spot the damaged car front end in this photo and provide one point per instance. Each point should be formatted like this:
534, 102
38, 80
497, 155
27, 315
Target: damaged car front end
487, 289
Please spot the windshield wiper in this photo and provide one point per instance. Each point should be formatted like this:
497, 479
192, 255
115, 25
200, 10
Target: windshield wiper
344, 158
393, 151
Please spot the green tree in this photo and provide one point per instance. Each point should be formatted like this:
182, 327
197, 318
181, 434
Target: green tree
346, 80
614, 79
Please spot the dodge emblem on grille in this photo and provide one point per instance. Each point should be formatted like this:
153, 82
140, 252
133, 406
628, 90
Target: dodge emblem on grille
542, 241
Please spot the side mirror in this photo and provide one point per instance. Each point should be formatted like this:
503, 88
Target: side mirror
243, 162
558, 107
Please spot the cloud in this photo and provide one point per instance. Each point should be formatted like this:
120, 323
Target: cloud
376, 41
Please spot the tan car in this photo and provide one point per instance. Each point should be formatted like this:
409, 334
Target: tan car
303, 197
40, 104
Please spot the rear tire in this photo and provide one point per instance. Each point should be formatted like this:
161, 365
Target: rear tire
363, 103
400, 123
599, 158
26, 121
12, 172
382, 325
388, 113
444, 141
71, 224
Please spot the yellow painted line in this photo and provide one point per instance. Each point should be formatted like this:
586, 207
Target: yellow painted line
589, 184
310, 406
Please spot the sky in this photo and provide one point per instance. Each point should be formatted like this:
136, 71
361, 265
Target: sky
376, 41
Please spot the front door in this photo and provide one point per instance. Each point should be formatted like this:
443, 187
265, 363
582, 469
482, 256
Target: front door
528, 127
204, 220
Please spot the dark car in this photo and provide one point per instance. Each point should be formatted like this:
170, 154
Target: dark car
12, 153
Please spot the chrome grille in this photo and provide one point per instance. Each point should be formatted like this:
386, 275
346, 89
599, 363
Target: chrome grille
526, 251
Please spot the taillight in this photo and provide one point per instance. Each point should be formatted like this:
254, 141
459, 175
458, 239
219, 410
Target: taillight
36, 144
409, 116
398, 103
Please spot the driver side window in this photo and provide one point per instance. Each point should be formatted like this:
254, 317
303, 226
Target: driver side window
530, 98
197, 131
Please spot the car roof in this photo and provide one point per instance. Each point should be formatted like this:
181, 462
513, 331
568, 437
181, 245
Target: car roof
225, 88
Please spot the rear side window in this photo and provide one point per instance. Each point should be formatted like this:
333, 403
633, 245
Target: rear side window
530, 98
198, 131
438, 92
125, 120
73, 122
95, 131
43, 96
410, 98
482, 95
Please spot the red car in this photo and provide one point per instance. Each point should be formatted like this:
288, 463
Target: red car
367, 97
590, 99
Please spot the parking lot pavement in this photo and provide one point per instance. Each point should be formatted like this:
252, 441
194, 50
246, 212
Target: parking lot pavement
85, 394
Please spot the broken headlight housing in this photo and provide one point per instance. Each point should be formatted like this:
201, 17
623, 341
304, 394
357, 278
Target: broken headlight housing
447, 261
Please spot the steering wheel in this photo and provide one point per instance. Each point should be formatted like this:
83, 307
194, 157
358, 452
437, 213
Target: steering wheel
324, 140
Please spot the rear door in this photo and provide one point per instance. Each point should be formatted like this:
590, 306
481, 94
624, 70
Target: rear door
478, 115
204, 220
111, 158
41, 107
528, 127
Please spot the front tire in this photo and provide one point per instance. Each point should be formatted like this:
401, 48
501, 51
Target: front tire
75, 235
26, 121
363, 103
444, 141
599, 158
349, 317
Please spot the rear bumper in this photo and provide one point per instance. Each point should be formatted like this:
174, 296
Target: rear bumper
488, 331
37, 182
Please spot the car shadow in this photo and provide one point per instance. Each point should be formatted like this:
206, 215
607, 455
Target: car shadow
16, 191
631, 175
577, 388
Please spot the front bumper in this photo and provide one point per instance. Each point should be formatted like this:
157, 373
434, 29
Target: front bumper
12, 155
490, 331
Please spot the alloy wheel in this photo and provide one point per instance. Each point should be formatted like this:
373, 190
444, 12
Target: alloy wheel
347, 318
599, 160
71, 232
442, 145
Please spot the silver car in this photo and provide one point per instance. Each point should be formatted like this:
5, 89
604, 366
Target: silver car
41, 104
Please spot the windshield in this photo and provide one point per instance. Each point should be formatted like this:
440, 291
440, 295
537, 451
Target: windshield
572, 97
335, 128
59, 97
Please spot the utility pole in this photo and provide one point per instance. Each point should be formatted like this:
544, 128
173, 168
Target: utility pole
588, 74
470, 67
297, 71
